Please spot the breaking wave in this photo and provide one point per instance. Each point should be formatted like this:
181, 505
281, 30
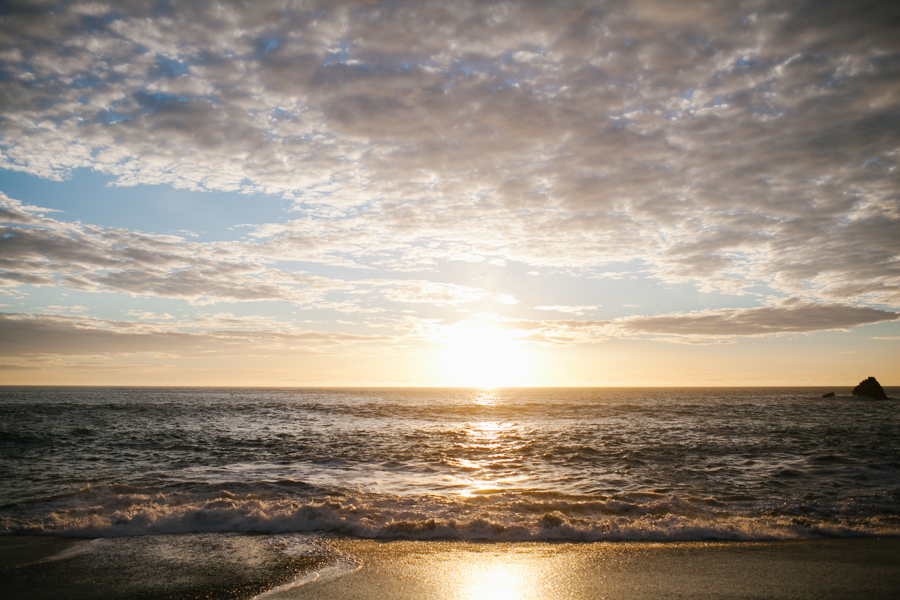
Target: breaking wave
120, 510
505, 465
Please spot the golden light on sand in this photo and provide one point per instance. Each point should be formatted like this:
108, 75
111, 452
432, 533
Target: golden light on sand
482, 354
497, 580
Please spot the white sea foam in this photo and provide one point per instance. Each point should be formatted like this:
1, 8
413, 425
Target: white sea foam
110, 511
343, 564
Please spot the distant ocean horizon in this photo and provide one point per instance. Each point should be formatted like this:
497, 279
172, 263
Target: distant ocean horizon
510, 464
825, 387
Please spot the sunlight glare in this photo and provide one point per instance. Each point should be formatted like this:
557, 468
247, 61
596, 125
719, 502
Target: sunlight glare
497, 580
486, 398
489, 458
483, 355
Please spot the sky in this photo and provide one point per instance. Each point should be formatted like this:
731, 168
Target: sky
367, 193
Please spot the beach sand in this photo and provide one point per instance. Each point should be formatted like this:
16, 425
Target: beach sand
855, 568
237, 566
209, 566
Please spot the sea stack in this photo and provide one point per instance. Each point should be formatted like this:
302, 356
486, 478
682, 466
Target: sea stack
870, 388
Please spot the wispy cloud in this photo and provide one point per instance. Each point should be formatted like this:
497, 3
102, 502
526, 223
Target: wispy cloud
430, 292
575, 310
27, 336
768, 320
41, 251
701, 327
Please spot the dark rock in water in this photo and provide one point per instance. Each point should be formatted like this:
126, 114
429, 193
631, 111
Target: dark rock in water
828, 395
870, 388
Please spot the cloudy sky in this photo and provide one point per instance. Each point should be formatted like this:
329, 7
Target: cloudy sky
430, 193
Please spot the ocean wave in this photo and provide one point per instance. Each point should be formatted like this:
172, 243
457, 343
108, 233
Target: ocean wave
121, 510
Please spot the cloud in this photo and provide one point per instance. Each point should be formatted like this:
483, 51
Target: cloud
739, 146
435, 293
567, 332
58, 308
31, 336
505, 299
41, 251
701, 327
148, 316
94, 259
575, 310
767, 320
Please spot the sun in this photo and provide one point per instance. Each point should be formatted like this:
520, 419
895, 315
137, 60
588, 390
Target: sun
481, 354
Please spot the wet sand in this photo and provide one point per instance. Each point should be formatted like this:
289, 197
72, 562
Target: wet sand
857, 568
236, 566
208, 566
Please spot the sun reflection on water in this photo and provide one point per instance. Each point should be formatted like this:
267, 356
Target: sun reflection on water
489, 457
487, 397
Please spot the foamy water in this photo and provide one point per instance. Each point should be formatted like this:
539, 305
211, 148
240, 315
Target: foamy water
550, 464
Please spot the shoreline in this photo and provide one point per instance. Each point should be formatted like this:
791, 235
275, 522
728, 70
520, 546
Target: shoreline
152, 567
635, 570
335, 568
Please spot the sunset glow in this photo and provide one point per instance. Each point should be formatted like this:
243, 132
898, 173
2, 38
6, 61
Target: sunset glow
486, 356
338, 193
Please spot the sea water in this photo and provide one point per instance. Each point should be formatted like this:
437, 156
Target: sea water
466, 464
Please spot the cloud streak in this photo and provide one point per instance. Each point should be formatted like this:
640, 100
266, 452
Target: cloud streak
37, 250
767, 320
29, 337
40, 251
701, 326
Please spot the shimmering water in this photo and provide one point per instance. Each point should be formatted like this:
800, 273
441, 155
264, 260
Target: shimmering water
511, 464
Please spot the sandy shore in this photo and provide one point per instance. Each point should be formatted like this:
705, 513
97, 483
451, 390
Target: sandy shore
208, 566
234, 566
857, 568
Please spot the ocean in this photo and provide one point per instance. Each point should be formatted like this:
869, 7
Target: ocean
504, 465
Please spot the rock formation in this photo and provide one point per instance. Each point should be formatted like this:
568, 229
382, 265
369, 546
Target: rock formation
870, 388
828, 395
